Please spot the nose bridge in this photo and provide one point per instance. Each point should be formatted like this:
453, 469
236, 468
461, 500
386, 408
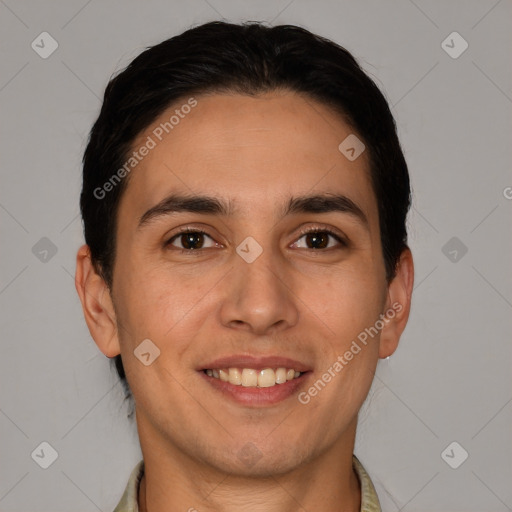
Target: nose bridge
262, 268
260, 299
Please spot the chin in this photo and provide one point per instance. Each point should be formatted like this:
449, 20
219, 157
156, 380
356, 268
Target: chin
260, 460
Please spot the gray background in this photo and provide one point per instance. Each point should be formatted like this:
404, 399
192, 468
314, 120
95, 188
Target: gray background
450, 379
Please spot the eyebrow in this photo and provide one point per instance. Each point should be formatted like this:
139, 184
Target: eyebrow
318, 203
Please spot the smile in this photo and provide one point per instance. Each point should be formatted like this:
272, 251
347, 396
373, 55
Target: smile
250, 378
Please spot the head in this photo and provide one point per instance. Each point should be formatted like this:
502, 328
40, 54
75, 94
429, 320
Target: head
251, 119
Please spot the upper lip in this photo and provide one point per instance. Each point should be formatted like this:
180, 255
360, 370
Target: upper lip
256, 363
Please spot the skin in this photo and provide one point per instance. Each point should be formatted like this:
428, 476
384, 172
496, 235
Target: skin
293, 301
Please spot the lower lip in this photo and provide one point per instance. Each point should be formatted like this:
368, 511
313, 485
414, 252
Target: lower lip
255, 396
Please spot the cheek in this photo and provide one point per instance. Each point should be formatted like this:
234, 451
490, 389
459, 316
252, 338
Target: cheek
155, 303
151, 305
348, 302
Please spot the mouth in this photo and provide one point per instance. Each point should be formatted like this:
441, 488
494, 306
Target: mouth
251, 378
256, 381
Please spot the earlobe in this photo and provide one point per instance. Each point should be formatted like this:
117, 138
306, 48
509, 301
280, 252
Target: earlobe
398, 304
96, 304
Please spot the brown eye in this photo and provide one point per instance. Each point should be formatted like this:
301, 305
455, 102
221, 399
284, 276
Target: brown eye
317, 240
320, 239
190, 240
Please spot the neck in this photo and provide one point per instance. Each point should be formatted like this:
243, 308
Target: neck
173, 481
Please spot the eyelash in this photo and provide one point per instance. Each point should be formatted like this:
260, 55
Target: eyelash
330, 232
343, 243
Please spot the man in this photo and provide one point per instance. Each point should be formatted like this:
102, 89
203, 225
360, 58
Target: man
244, 203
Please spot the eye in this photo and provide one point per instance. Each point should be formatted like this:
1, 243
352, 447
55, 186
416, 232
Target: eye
190, 240
318, 238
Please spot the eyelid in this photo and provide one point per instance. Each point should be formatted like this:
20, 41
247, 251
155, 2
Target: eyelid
335, 233
188, 229
341, 238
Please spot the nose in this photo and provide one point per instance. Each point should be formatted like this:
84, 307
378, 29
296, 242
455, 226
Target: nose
259, 297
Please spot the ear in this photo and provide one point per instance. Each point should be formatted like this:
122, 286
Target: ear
398, 305
97, 304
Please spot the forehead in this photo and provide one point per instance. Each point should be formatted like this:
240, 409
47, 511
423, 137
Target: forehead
248, 149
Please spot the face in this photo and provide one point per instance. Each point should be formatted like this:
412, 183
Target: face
280, 269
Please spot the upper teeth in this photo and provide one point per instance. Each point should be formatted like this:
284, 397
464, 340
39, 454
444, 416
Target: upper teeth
253, 378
